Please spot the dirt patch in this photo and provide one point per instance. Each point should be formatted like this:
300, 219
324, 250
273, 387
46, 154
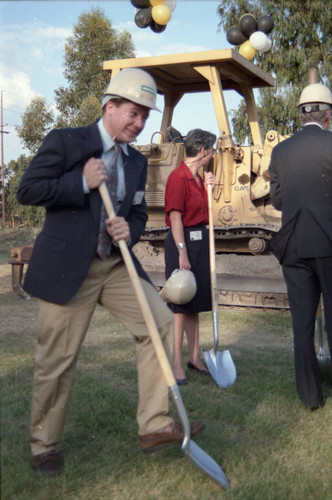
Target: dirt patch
233, 264
5, 279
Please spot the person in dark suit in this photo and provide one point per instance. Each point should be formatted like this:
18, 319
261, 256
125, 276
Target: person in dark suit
301, 186
76, 263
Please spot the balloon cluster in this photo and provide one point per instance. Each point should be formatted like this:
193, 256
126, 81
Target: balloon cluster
154, 14
251, 35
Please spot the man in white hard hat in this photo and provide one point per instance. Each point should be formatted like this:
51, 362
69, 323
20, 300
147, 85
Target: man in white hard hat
301, 186
76, 263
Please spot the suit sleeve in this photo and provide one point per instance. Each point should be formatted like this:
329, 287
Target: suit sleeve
47, 182
275, 189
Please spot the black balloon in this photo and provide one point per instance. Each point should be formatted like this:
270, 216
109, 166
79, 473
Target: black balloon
235, 36
158, 28
265, 24
140, 4
143, 18
248, 24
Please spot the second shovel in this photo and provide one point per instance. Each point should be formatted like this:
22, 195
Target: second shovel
324, 361
219, 363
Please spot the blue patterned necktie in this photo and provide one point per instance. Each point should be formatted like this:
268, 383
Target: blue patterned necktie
104, 239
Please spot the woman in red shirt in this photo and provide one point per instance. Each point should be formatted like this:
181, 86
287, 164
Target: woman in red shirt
187, 244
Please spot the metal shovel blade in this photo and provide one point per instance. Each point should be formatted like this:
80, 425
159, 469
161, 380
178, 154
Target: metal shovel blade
206, 464
221, 366
324, 361
200, 458
325, 365
219, 363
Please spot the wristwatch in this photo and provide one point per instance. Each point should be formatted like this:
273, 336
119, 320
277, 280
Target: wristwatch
181, 245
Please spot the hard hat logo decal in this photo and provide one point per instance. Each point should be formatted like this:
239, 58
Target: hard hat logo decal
148, 89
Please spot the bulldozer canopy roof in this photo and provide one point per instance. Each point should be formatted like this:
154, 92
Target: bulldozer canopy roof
177, 73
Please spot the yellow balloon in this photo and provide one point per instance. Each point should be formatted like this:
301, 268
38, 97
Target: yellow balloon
161, 14
156, 2
247, 50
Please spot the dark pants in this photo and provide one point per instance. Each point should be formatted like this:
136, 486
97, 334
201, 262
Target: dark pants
306, 280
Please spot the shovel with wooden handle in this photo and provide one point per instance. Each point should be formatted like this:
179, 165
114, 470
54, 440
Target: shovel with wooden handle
324, 361
190, 448
219, 363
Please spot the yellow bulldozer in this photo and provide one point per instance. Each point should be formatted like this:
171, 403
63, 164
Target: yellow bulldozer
244, 219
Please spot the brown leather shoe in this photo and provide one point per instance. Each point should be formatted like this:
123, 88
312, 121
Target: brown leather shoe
172, 433
47, 463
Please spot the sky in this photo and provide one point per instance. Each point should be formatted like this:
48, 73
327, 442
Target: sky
32, 39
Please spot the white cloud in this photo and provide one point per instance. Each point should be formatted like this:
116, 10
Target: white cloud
30, 32
31, 65
53, 32
16, 86
17, 94
33, 46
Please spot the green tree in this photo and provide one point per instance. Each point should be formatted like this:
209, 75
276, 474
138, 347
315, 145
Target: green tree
37, 120
301, 38
93, 41
16, 214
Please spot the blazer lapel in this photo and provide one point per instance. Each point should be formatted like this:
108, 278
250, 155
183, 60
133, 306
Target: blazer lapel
132, 177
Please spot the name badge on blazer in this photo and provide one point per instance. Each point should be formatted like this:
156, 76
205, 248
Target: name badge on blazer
138, 198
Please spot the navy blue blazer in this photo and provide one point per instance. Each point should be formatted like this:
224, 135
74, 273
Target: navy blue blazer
64, 249
301, 186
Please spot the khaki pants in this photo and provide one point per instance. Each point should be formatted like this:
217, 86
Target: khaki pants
62, 329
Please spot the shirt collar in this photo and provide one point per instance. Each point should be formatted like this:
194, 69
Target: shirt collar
186, 170
314, 123
107, 140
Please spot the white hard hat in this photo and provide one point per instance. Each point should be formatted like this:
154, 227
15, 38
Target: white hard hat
315, 97
180, 287
135, 85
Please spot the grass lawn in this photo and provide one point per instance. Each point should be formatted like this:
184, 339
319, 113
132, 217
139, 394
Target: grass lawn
267, 443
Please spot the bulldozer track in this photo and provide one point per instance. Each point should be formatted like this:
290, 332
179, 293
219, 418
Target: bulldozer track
243, 291
241, 238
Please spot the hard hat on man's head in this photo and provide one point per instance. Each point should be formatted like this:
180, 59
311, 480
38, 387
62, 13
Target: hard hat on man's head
180, 287
315, 97
135, 85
